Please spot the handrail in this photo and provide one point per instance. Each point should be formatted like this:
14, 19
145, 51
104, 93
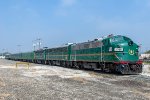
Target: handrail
19, 63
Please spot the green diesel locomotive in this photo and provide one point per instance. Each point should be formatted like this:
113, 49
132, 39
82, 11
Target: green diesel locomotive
110, 54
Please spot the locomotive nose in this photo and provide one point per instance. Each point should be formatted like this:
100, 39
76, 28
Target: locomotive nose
128, 51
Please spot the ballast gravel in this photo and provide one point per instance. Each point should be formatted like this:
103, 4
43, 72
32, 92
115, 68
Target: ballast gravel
44, 82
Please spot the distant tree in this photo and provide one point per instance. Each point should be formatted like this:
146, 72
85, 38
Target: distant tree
5, 53
148, 51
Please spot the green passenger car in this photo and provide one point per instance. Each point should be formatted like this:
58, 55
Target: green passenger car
27, 56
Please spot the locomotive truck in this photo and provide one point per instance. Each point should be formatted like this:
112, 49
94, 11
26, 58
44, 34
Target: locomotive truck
110, 54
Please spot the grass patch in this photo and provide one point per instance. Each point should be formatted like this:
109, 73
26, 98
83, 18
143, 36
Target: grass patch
146, 63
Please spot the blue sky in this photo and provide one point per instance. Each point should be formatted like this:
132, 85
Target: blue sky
61, 21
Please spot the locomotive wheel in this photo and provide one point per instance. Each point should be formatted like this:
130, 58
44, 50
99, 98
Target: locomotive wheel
75, 65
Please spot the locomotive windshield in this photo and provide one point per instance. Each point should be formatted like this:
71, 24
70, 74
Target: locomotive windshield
116, 39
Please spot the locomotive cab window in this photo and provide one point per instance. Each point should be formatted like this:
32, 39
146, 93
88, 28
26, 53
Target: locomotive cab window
116, 39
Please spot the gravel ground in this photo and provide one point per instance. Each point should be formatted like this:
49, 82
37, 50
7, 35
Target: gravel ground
42, 82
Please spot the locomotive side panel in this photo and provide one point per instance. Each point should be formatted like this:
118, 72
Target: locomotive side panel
57, 53
28, 56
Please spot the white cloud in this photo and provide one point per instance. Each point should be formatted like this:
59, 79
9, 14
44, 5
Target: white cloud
23, 11
67, 3
31, 12
61, 12
62, 9
143, 3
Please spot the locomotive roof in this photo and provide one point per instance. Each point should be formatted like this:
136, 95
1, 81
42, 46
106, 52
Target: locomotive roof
111, 37
106, 37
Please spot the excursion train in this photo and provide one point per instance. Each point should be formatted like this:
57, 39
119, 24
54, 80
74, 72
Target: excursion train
110, 54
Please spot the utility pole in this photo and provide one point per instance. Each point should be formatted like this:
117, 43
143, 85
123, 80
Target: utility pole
3, 52
39, 42
19, 48
140, 49
34, 45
